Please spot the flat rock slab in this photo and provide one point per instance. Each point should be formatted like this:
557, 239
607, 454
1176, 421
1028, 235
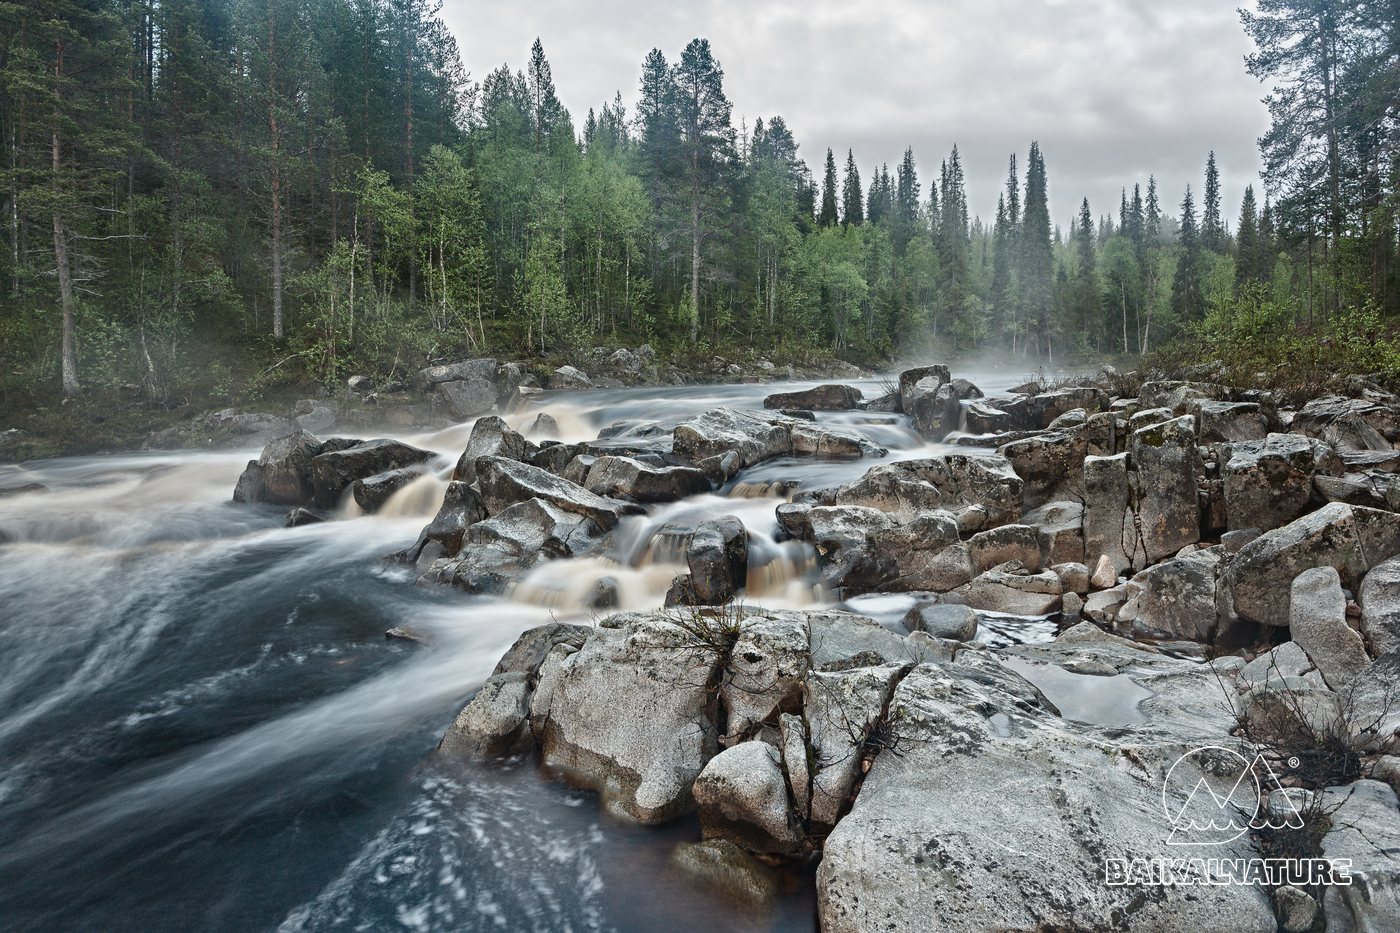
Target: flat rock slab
830, 397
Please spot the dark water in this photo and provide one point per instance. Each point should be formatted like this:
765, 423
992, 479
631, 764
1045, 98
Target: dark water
203, 727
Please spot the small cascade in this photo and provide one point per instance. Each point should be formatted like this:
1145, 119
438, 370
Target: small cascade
419, 499
667, 546
764, 489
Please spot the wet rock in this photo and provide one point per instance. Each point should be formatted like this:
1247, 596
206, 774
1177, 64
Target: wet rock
495, 722
765, 671
796, 762
820, 440
966, 390
1105, 575
1164, 456
567, 377
603, 595
1104, 605
544, 425
285, 465
720, 468
681, 592
1049, 464
840, 709
461, 508
1366, 830
840, 535
1007, 542
986, 418
505, 482
726, 869
913, 555
836, 637
628, 714
943, 621
1353, 489
299, 516
484, 369
490, 437
465, 398
822, 398
1177, 396
1015, 594
1087, 632
933, 408
1379, 597
1347, 537
1269, 483
372, 492
250, 486
1318, 623
626, 478
1047, 406
718, 558
534, 645
986, 783
1074, 577
1110, 528
721, 430
911, 377
334, 470
1060, 529
742, 796
1351, 424
981, 491
1287, 660
498, 551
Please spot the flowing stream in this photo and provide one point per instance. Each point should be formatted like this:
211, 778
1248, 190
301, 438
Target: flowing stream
203, 727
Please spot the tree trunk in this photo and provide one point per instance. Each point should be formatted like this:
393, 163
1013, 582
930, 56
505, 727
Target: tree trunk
695, 268
65, 281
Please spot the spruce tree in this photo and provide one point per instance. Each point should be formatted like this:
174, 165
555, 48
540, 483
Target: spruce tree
1187, 302
1267, 243
1247, 242
828, 215
852, 209
1212, 229
1036, 252
907, 188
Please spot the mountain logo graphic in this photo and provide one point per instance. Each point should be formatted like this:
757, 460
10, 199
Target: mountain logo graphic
1213, 795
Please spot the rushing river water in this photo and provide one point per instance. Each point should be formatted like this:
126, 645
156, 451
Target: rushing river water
203, 727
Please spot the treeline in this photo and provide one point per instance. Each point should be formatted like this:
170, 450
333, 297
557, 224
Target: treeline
319, 185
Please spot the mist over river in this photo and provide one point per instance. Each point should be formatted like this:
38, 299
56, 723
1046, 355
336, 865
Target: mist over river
204, 728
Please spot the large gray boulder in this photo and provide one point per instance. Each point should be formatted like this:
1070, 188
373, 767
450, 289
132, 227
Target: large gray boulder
333, 471
1006, 542
626, 478
461, 508
1269, 483
1164, 456
483, 369
943, 621
997, 815
1365, 820
285, 468
1110, 528
829, 397
1349, 538
1059, 526
910, 378
1351, 424
372, 492
840, 708
490, 437
825, 440
934, 408
628, 713
980, 491
841, 536
742, 797
1317, 620
1049, 464
1021, 594
1229, 422
505, 482
718, 558
753, 437
500, 550
1379, 598
766, 666
495, 722
1174, 599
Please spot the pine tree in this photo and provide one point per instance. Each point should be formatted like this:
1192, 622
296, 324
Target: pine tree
1247, 242
1087, 279
907, 188
852, 210
1268, 243
1187, 302
1212, 229
828, 216
1036, 251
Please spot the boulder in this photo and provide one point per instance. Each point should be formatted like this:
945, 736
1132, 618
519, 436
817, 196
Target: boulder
765, 670
334, 470
634, 481
837, 638
567, 377
943, 621
461, 508
823, 398
1164, 456
1004, 543
1366, 831
718, 558
987, 418
299, 516
1047, 406
1014, 594
840, 535
741, 796
728, 870
1269, 483
1105, 574
504, 482
1353, 489
911, 377
1177, 395
1350, 424
980, 491
250, 486
1103, 606
498, 551
1229, 422
317, 414
911, 555
1074, 577
490, 437
1379, 598
534, 645
1059, 528
721, 430
285, 465
482, 369
822, 440
1174, 599
998, 815
1049, 464
495, 722
544, 425
468, 397
372, 492
966, 390
625, 360
1110, 527
840, 709
1347, 537
933, 408
1287, 660
628, 713
1317, 621
796, 762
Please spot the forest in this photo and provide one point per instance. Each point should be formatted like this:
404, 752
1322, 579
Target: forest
205, 195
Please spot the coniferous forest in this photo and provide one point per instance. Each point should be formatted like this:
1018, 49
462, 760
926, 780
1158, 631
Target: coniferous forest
201, 195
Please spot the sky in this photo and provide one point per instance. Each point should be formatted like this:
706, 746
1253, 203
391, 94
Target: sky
1113, 90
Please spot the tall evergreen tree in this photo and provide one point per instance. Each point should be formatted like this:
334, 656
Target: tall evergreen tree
1212, 228
828, 216
1036, 252
907, 188
1187, 301
852, 199
1247, 242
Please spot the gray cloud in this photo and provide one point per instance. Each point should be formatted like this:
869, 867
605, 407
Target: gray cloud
1114, 90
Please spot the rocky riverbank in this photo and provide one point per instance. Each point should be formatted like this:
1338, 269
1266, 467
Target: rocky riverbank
935, 777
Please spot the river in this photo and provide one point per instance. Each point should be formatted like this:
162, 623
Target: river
204, 728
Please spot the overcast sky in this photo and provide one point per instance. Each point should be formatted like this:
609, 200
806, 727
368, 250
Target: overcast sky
1114, 90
